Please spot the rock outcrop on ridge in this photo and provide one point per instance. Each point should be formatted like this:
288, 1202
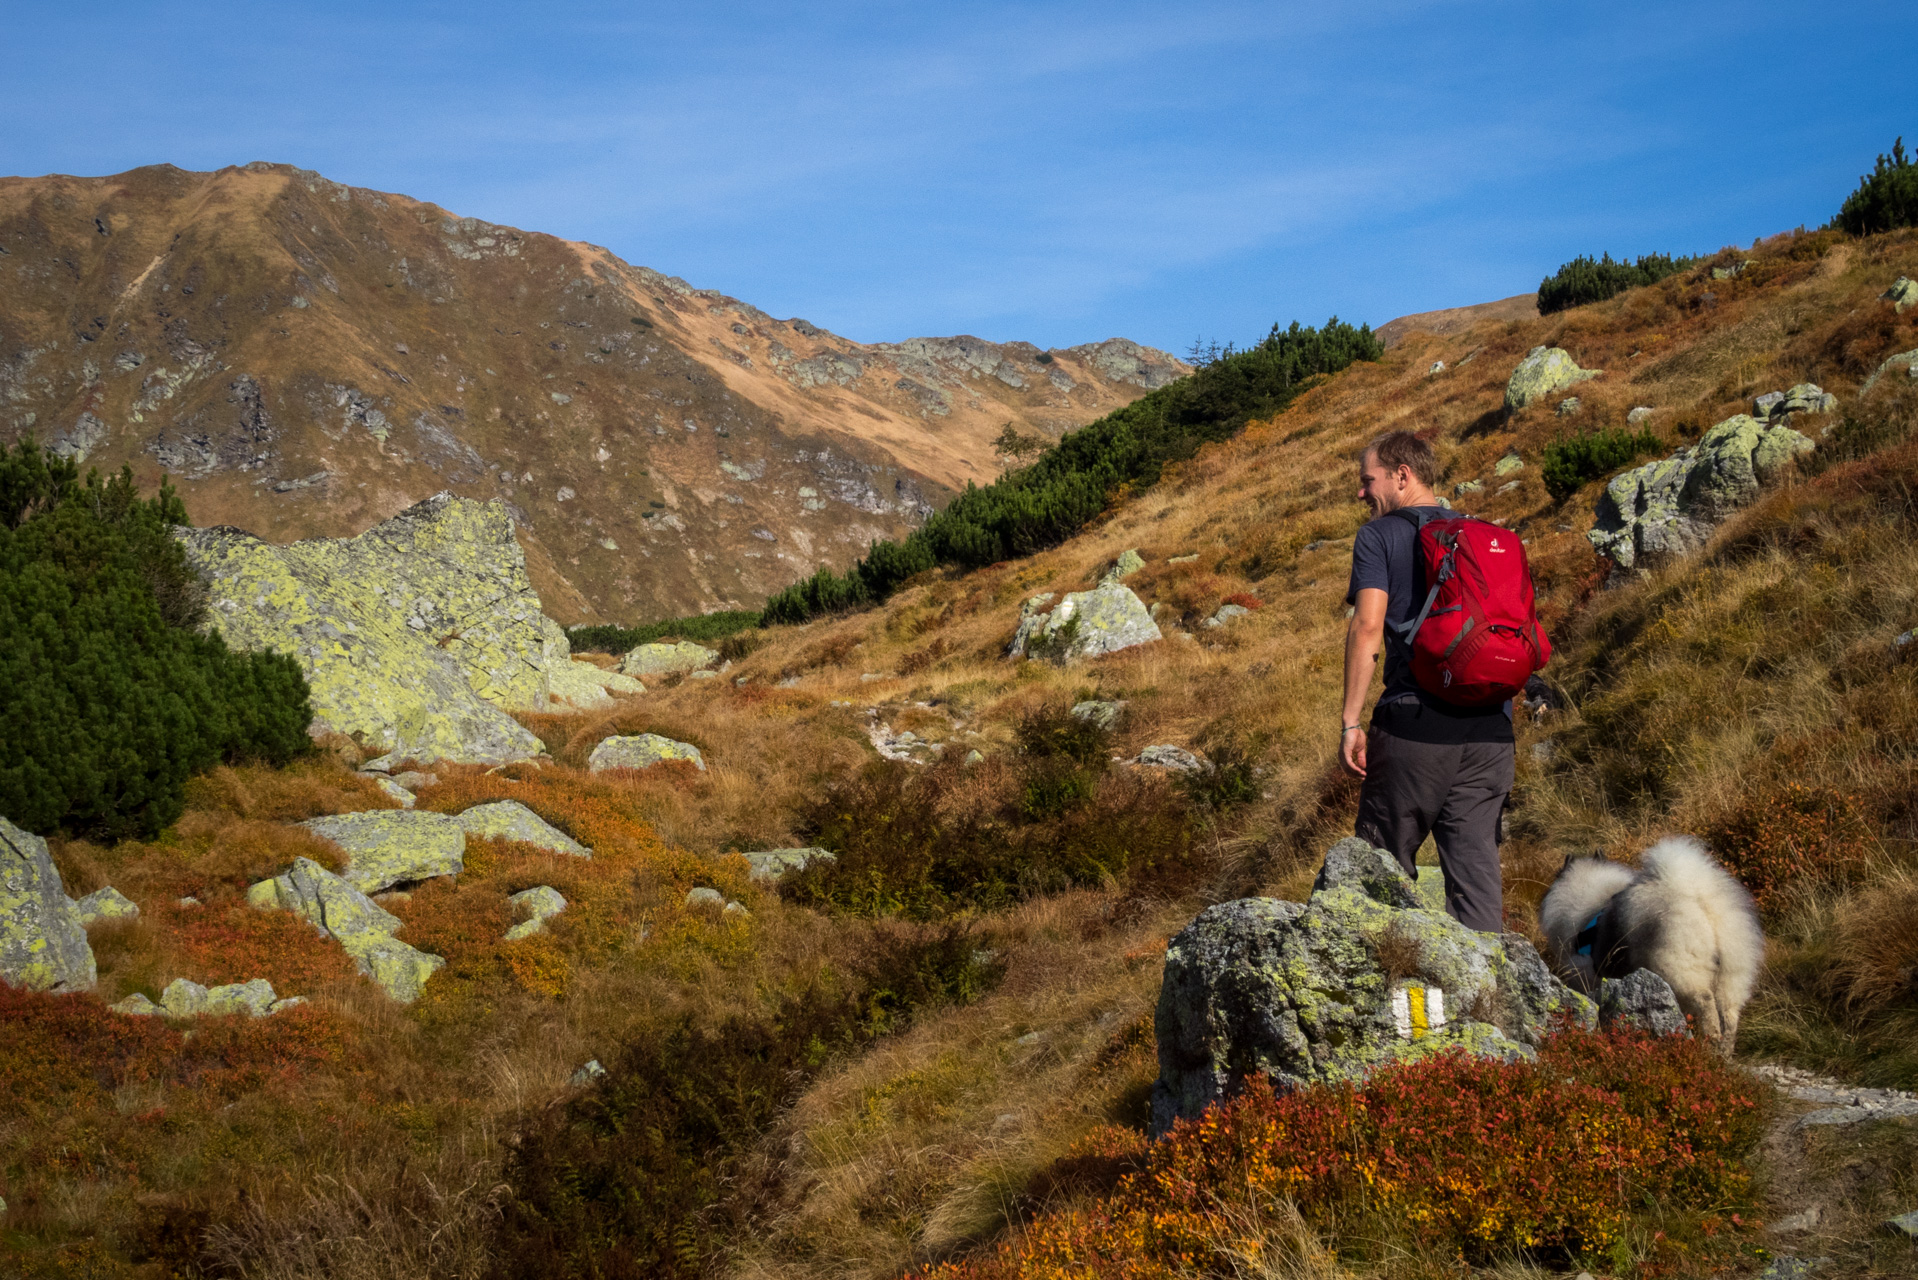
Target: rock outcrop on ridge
1669, 507
1360, 975
416, 636
43, 945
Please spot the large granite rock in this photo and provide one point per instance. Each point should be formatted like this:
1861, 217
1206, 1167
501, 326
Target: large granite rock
385, 847
43, 945
1083, 625
1669, 507
641, 751
664, 659
415, 636
363, 928
1360, 975
511, 820
1542, 372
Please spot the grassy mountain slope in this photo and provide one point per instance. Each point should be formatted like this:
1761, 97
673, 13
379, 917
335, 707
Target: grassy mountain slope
909, 1075
307, 358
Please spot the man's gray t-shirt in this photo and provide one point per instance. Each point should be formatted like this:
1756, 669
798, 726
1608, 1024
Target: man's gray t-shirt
1385, 556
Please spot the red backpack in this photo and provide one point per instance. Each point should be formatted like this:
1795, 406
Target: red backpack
1477, 639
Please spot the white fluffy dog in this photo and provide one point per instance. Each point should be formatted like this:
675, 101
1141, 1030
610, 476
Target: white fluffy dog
1679, 915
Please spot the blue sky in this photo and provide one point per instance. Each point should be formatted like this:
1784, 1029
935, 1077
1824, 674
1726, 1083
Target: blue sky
1058, 172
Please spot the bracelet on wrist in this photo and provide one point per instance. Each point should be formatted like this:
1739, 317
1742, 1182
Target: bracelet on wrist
1348, 728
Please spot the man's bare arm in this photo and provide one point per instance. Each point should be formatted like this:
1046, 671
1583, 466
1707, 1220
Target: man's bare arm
1363, 636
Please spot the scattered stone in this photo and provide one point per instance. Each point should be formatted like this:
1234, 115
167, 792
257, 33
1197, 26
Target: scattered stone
702, 675
1438, 366
1796, 1222
1225, 614
391, 788
1185, 559
1669, 507
188, 901
769, 865
1639, 415
641, 751
736, 909
336, 907
255, 999
1085, 624
1508, 464
1164, 755
660, 659
1642, 1000
1508, 486
1543, 371
135, 1006
287, 1002
587, 1074
1296, 991
1903, 293
1568, 406
1805, 397
1788, 1268
1128, 563
974, 756
1094, 711
1466, 486
385, 847
538, 904
43, 943
418, 635
1905, 1224
704, 897
1732, 272
183, 999
106, 904
511, 820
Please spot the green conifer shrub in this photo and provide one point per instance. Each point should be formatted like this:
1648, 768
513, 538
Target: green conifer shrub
1569, 463
1043, 504
1584, 280
701, 628
1886, 198
111, 695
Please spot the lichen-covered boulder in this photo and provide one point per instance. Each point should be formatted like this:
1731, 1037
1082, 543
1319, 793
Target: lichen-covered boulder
1640, 999
538, 904
641, 751
136, 1006
1099, 711
1163, 755
1083, 625
385, 847
1128, 563
1903, 293
660, 659
254, 998
1669, 507
511, 820
327, 901
43, 945
363, 928
395, 967
770, 864
582, 684
705, 897
1331, 989
392, 790
415, 636
106, 904
1543, 371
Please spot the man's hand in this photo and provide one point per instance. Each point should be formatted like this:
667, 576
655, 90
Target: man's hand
1362, 640
1352, 752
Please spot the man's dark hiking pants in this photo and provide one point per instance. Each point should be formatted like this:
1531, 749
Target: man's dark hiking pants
1454, 791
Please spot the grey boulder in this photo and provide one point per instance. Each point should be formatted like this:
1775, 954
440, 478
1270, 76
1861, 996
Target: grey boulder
43, 944
1301, 992
1643, 1001
364, 929
663, 659
1669, 507
770, 864
511, 820
538, 904
642, 751
106, 904
1085, 624
1543, 371
385, 847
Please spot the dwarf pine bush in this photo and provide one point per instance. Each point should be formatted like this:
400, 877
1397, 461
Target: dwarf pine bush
1043, 504
1886, 198
111, 696
1570, 463
1585, 280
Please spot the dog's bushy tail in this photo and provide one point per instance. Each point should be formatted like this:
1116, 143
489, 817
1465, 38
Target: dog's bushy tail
1688, 873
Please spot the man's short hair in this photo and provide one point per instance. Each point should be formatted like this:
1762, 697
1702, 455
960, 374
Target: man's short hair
1397, 449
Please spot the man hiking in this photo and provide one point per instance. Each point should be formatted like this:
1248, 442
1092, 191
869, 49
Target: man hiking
1429, 765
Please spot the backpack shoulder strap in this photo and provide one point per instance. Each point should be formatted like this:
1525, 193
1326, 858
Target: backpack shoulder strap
1418, 518
1411, 515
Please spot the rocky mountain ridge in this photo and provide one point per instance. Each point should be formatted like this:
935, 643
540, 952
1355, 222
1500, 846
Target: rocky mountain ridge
306, 359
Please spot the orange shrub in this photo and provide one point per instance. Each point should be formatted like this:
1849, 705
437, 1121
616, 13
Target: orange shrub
232, 942
1791, 835
1469, 1157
